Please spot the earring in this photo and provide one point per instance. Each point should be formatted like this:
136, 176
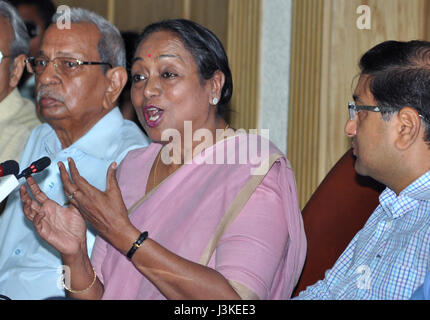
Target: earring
215, 101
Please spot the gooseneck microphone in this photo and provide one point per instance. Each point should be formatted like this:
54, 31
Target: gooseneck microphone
9, 167
35, 167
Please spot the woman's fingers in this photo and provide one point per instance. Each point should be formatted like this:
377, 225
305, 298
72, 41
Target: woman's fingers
77, 179
111, 181
68, 185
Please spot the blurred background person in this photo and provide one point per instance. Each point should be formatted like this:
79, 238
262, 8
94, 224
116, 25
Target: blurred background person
37, 16
17, 114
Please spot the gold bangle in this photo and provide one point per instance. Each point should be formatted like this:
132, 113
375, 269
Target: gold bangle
81, 291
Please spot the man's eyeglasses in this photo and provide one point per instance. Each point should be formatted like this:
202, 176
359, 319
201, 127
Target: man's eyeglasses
2, 56
354, 110
64, 66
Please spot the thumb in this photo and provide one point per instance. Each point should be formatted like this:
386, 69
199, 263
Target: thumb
111, 181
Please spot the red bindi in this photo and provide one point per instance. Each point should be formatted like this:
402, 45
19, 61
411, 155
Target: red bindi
149, 55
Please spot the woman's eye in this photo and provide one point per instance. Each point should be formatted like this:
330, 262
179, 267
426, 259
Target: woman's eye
137, 77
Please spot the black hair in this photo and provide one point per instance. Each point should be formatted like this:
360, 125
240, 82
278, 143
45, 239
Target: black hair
207, 50
45, 8
399, 75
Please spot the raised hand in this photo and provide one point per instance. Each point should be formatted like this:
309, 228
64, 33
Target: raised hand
63, 228
106, 211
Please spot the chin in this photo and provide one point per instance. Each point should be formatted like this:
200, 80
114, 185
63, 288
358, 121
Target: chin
360, 169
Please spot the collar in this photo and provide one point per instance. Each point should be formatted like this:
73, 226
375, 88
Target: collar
96, 141
408, 199
11, 105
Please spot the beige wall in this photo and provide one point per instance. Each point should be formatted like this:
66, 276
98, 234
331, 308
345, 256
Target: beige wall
325, 55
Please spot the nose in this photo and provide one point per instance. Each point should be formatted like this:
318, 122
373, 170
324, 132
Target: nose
351, 128
49, 75
152, 88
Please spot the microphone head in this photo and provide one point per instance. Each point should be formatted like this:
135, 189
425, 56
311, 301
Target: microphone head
9, 167
41, 164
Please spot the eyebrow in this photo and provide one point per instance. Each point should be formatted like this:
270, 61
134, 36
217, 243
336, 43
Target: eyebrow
170, 56
355, 98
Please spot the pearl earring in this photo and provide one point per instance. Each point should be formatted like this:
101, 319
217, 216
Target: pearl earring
215, 101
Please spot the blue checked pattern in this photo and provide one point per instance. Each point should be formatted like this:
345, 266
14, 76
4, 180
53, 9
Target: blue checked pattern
390, 256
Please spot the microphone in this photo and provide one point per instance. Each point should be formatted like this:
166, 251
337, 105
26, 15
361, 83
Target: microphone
8, 181
35, 167
9, 167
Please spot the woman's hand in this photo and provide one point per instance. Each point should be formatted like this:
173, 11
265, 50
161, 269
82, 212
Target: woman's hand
106, 211
63, 228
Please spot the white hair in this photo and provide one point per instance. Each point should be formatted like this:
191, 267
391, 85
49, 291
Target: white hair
21, 40
111, 45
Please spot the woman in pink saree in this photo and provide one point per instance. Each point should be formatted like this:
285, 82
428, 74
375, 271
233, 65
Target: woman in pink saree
204, 212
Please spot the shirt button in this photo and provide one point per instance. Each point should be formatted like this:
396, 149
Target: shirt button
17, 252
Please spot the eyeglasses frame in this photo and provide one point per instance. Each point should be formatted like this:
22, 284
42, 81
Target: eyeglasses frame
353, 108
78, 61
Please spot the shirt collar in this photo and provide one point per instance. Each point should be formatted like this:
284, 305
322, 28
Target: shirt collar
96, 141
408, 199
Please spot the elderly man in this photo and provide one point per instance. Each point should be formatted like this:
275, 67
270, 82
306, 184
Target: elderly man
17, 115
390, 129
79, 76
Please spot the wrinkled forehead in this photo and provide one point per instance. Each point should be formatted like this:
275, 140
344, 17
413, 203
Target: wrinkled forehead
81, 39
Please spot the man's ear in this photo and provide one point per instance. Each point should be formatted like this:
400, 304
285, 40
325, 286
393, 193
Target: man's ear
116, 80
17, 70
216, 85
408, 127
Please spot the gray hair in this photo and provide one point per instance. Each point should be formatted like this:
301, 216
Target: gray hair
111, 45
21, 40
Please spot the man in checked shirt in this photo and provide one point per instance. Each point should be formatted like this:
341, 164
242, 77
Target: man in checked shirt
389, 123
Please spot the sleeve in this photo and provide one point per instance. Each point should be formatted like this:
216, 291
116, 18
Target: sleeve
254, 245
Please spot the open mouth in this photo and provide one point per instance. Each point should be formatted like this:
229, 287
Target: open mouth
153, 115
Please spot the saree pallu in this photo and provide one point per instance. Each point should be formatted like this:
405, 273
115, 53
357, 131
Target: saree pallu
247, 226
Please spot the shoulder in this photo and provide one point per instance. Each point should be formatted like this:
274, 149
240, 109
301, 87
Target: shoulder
130, 137
138, 155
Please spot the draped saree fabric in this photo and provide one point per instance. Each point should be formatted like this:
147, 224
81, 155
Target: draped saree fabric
246, 226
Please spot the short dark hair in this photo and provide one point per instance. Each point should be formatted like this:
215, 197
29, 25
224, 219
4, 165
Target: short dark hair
45, 8
399, 74
207, 50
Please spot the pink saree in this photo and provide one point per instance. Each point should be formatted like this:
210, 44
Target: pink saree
248, 227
